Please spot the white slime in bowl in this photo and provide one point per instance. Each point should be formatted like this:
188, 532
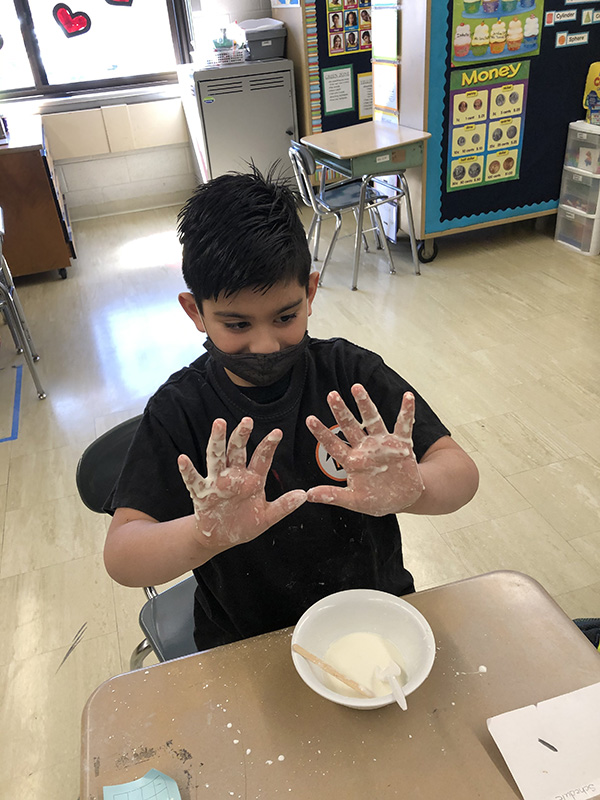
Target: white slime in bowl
357, 655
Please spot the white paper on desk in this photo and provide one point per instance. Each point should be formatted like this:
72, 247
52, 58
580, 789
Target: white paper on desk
571, 724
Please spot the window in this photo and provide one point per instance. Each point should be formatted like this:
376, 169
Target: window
52, 46
15, 70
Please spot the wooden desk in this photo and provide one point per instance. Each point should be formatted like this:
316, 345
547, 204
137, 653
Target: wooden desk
238, 722
369, 150
38, 234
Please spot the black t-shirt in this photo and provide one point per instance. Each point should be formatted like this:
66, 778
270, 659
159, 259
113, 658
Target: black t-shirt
267, 584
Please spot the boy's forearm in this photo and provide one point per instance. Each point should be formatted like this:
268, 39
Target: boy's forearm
451, 479
143, 552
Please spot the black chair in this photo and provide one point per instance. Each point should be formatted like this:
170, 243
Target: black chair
167, 618
590, 627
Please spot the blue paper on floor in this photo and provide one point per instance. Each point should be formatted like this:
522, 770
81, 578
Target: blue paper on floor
10, 399
154, 785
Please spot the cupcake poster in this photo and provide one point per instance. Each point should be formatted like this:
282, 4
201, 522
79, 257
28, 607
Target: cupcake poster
486, 30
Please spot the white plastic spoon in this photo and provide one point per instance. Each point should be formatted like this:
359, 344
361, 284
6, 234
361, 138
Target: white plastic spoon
390, 675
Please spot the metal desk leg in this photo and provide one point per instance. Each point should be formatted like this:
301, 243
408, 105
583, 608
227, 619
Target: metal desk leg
359, 226
411, 224
322, 187
317, 237
15, 324
18, 308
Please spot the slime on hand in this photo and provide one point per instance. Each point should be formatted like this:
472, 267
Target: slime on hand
357, 655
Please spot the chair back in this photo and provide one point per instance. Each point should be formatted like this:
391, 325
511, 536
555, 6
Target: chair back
101, 463
304, 166
167, 620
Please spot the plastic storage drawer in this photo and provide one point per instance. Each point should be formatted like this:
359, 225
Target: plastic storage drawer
579, 231
579, 190
583, 147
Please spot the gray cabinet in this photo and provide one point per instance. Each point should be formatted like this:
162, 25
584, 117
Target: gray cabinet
240, 113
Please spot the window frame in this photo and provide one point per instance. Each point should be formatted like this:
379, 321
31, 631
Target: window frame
179, 14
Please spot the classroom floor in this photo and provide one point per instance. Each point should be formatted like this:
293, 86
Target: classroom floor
500, 333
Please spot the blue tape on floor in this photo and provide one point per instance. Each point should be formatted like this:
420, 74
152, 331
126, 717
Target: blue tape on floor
16, 406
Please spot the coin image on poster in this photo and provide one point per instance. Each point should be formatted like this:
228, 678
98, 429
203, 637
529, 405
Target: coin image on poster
497, 134
458, 173
476, 138
494, 167
500, 99
477, 103
462, 106
511, 131
508, 163
461, 141
513, 98
474, 170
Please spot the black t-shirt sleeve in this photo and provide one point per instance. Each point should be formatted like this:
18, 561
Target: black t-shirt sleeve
150, 480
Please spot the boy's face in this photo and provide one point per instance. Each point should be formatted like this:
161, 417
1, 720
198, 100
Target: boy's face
255, 322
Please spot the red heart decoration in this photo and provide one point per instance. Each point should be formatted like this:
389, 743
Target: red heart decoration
72, 22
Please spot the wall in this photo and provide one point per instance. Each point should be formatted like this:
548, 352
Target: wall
121, 158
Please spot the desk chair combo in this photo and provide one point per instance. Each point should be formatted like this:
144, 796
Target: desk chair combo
337, 198
167, 618
13, 313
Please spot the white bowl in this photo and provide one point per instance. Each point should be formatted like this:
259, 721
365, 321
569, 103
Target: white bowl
369, 611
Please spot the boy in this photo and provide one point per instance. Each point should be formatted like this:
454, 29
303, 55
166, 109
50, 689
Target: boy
288, 511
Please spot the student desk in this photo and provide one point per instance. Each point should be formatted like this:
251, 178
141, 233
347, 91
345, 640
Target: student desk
370, 150
238, 722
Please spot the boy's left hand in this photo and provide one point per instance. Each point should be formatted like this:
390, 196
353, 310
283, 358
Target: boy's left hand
382, 472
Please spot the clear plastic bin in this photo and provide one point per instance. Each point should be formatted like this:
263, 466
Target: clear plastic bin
579, 231
583, 147
579, 190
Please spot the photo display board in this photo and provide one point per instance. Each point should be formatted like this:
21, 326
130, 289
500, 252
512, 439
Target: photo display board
506, 77
340, 73
349, 26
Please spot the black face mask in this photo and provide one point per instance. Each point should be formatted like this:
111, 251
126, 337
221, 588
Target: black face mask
259, 369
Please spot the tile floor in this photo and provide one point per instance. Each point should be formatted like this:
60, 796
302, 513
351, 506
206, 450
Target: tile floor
500, 333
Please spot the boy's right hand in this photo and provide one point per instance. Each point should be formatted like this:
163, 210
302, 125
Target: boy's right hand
230, 504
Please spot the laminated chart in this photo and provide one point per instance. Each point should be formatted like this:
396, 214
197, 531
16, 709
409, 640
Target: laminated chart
487, 114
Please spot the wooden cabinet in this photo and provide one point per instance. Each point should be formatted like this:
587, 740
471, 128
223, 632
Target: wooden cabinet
38, 234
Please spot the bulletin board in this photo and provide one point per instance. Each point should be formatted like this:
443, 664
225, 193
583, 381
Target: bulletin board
500, 102
341, 76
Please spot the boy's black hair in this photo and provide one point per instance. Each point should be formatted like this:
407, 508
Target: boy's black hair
242, 230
